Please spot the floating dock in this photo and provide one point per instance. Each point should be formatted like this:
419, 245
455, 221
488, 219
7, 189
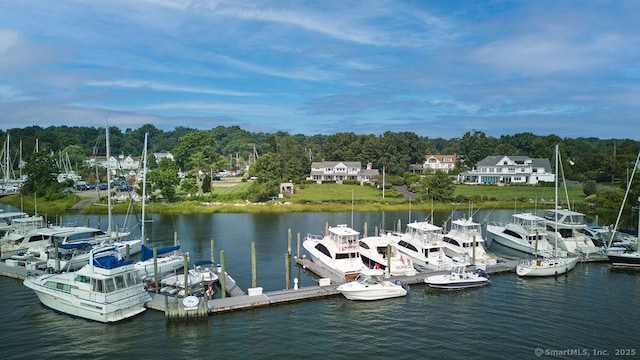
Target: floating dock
237, 299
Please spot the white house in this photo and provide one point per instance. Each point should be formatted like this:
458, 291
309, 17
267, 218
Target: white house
341, 170
444, 163
509, 169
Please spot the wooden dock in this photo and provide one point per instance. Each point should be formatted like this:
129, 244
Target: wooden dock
237, 299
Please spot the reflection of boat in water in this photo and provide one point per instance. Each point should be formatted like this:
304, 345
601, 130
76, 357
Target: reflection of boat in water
459, 278
370, 285
107, 289
338, 250
379, 252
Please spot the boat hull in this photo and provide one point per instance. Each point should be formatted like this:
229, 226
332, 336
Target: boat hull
353, 291
83, 307
625, 260
546, 267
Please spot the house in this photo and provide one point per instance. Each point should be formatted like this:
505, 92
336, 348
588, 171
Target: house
444, 163
508, 169
341, 170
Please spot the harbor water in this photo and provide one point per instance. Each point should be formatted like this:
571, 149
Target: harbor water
592, 311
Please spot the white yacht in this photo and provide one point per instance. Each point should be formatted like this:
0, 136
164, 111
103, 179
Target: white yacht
380, 252
459, 278
422, 242
107, 289
465, 241
338, 250
526, 233
370, 285
567, 228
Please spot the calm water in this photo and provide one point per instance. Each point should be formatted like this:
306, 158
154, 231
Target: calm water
594, 308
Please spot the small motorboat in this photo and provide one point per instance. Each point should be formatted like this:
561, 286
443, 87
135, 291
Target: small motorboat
459, 278
371, 285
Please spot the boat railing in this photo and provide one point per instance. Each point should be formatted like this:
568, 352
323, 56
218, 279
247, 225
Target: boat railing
314, 236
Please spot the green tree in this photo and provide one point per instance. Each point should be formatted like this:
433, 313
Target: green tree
41, 171
165, 179
440, 187
189, 185
589, 188
206, 184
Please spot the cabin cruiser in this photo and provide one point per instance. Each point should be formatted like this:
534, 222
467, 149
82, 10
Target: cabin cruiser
107, 289
547, 266
526, 233
565, 227
338, 250
464, 241
422, 243
380, 252
371, 285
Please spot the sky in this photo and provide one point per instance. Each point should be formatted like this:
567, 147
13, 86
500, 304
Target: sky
438, 69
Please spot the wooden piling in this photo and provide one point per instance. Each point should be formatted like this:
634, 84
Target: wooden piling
223, 278
287, 266
253, 264
212, 254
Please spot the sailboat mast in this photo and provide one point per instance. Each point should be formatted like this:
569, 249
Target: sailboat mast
555, 247
108, 181
144, 187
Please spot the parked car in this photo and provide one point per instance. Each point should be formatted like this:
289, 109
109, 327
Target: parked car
67, 191
125, 188
81, 185
102, 186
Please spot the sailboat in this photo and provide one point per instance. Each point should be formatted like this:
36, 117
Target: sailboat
628, 259
553, 265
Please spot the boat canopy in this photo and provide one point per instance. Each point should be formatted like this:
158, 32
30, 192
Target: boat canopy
147, 253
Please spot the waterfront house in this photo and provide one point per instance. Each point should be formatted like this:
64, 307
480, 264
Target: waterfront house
444, 163
338, 171
503, 169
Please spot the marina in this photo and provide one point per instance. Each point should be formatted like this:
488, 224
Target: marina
316, 310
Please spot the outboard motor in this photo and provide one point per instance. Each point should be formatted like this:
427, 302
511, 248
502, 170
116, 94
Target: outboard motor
482, 273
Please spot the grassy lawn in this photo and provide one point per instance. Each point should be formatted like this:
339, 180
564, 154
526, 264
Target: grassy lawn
504, 193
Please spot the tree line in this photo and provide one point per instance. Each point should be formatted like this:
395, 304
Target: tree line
280, 156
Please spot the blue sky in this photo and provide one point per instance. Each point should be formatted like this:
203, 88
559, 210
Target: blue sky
435, 68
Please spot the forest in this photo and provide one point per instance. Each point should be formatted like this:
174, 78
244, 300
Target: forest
281, 156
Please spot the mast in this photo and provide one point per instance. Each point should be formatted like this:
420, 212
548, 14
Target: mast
615, 228
555, 247
108, 181
144, 186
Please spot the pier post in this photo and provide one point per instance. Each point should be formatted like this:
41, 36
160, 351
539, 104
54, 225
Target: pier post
155, 269
399, 227
223, 277
186, 276
375, 230
253, 264
473, 258
287, 266
365, 229
127, 251
117, 234
57, 266
289, 237
175, 239
388, 259
87, 222
298, 246
212, 254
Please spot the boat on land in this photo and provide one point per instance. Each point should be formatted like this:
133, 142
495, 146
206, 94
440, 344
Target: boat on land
458, 278
379, 252
526, 233
371, 285
338, 250
107, 289
559, 262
